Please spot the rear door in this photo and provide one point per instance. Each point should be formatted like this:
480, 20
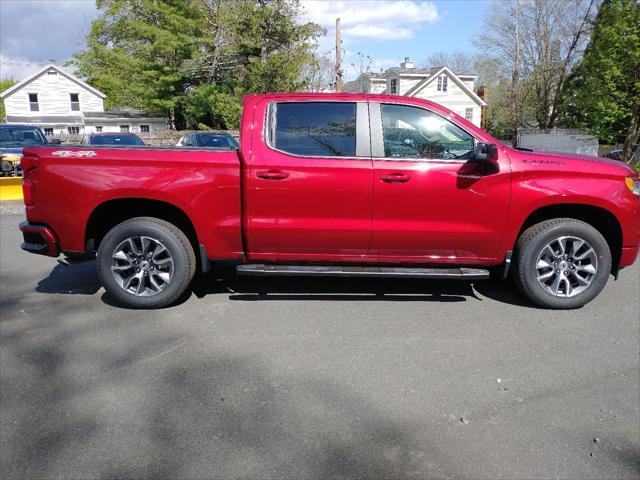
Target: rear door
309, 181
432, 204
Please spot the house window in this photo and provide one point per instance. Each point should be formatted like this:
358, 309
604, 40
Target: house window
144, 128
124, 128
442, 83
468, 114
98, 128
393, 86
48, 131
73, 130
75, 102
33, 102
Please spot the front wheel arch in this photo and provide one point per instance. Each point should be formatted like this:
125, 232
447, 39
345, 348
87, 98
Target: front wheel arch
599, 218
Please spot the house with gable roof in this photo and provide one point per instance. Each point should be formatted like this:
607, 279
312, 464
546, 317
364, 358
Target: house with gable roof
454, 90
61, 103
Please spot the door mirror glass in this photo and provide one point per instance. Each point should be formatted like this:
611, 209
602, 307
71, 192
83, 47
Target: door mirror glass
485, 152
55, 141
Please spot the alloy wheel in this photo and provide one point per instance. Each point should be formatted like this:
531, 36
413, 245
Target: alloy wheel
566, 266
142, 266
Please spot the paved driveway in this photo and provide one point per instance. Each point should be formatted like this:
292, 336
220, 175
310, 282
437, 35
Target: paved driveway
312, 378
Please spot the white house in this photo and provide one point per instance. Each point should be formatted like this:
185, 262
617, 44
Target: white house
61, 103
453, 90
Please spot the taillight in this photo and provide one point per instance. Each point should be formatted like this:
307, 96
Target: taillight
28, 163
27, 191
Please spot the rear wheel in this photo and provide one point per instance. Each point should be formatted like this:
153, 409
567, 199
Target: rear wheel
562, 263
145, 263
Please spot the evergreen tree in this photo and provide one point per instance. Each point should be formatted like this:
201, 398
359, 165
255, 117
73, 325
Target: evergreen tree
603, 93
192, 60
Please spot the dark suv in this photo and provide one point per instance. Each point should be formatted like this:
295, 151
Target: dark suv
12, 140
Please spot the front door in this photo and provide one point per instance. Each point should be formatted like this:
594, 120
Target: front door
431, 205
309, 182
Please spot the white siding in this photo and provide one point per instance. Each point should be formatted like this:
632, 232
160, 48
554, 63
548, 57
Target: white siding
134, 125
454, 99
378, 86
407, 83
53, 97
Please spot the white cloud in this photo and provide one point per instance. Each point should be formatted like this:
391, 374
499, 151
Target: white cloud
380, 20
364, 21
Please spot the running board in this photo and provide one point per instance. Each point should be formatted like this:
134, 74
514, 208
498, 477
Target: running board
258, 269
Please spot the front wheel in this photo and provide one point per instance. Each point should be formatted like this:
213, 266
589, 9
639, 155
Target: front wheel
145, 263
562, 263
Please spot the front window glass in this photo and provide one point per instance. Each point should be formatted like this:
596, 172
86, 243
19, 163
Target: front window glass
317, 129
20, 136
412, 132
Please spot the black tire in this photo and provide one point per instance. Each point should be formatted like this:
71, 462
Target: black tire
530, 245
170, 237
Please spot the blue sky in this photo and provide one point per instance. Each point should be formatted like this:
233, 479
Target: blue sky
387, 31
390, 31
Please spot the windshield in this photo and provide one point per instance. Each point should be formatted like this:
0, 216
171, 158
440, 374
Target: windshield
21, 136
116, 140
220, 141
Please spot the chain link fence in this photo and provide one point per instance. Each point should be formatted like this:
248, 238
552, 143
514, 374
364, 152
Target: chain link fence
559, 140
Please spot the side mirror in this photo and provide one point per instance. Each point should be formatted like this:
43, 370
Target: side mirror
55, 141
485, 152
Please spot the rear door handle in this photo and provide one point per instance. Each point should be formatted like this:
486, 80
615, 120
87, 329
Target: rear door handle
273, 175
395, 178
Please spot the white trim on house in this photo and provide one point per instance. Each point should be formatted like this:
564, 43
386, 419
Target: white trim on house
44, 69
413, 91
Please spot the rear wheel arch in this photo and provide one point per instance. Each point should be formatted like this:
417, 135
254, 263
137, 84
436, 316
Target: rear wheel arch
600, 218
113, 212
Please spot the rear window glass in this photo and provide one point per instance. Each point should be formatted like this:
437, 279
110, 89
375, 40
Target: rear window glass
219, 141
318, 129
116, 140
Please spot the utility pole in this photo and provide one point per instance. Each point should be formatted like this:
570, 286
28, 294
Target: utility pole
514, 82
338, 59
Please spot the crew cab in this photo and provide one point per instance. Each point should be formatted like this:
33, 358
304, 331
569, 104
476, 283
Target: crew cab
354, 185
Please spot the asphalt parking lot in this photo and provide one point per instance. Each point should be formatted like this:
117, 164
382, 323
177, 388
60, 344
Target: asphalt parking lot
312, 378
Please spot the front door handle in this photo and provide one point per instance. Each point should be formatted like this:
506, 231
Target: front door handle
273, 175
395, 178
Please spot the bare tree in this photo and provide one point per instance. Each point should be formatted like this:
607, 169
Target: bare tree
319, 75
551, 37
461, 62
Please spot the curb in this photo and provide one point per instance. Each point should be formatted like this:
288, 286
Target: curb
11, 188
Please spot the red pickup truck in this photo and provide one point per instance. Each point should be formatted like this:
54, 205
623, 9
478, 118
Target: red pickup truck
341, 185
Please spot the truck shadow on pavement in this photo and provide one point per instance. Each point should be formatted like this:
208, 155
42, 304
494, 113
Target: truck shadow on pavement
77, 279
82, 279
127, 399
